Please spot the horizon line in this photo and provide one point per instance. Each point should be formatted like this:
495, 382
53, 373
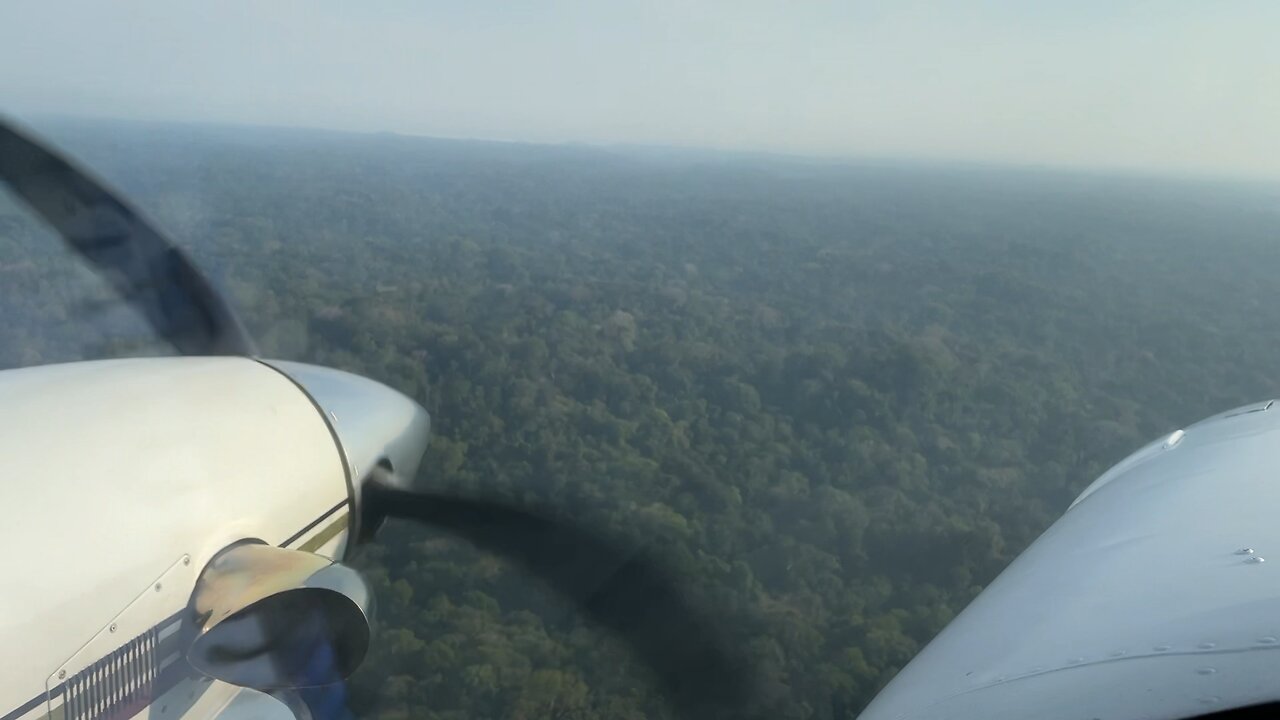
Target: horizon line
832, 159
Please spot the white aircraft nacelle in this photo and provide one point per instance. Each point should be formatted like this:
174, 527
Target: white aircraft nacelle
1152, 597
124, 479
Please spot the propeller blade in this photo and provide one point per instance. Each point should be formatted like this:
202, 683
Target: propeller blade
625, 591
139, 261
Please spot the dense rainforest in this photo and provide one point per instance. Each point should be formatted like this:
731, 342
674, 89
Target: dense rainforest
838, 397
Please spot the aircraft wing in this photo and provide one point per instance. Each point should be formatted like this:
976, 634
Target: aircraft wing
1156, 595
253, 705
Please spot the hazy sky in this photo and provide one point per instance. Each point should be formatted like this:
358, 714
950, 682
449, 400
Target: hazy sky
1184, 85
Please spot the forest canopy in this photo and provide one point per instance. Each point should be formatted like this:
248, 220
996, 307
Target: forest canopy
838, 397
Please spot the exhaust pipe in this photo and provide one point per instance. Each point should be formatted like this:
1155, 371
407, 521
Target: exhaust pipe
269, 618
